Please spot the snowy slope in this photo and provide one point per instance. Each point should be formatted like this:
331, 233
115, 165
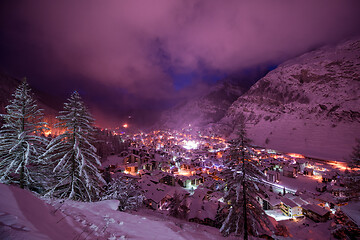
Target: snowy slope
309, 105
25, 216
205, 109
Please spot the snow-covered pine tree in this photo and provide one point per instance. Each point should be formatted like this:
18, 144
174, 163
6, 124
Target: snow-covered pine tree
241, 177
21, 142
352, 178
76, 163
128, 193
178, 206
355, 155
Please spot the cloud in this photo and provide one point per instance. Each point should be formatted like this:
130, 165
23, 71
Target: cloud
139, 46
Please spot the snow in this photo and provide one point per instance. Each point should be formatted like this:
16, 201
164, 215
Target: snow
277, 214
308, 105
307, 229
25, 216
299, 183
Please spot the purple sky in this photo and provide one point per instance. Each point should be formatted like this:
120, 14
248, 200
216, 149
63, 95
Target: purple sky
140, 57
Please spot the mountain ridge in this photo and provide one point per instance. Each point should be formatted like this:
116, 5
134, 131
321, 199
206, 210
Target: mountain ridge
309, 104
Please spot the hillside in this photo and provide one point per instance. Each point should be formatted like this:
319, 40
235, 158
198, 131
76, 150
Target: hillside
205, 109
23, 215
46, 101
309, 105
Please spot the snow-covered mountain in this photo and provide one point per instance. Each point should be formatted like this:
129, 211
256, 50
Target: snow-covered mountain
205, 109
309, 105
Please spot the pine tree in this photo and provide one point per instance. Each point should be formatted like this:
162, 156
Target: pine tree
76, 163
245, 215
178, 207
128, 193
21, 142
352, 179
355, 155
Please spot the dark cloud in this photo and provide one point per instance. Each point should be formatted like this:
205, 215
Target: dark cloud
142, 56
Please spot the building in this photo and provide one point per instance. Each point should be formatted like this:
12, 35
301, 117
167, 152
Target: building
290, 208
316, 213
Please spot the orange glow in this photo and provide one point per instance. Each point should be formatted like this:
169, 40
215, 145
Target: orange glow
125, 125
185, 173
340, 165
316, 177
53, 131
47, 132
296, 155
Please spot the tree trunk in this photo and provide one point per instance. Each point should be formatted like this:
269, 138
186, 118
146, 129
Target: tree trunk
22, 168
22, 175
244, 192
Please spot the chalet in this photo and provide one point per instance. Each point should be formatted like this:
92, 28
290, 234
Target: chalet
290, 208
327, 200
272, 176
289, 172
132, 168
131, 158
203, 212
308, 171
321, 187
156, 199
302, 164
270, 201
316, 213
202, 209
167, 179
329, 176
338, 191
157, 195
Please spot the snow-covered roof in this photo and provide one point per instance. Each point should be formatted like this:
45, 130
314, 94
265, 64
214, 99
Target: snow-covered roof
326, 197
315, 209
288, 202
203, 209
299, 201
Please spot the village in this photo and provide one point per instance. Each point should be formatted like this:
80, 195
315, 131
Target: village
172, 164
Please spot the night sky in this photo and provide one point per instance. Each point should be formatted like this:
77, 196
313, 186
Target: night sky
137, 58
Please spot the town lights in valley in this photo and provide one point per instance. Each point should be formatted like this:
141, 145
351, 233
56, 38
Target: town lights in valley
190, 144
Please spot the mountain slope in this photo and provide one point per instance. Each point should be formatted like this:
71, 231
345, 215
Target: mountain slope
310, 104
45, 101
206, 109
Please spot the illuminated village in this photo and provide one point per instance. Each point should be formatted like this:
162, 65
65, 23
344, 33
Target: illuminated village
169, 163
180, 120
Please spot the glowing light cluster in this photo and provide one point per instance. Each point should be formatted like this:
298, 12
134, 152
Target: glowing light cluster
296, 155
190, 144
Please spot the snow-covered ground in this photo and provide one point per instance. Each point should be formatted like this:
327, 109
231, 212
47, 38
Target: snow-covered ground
277, 214
26, 216
307, 229
299, 183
